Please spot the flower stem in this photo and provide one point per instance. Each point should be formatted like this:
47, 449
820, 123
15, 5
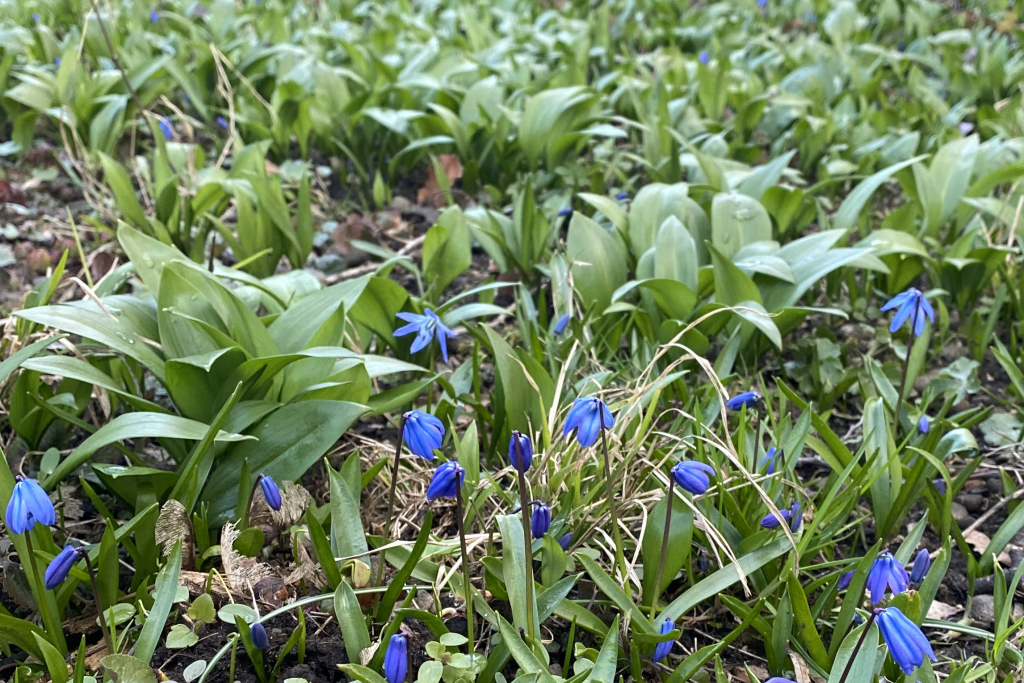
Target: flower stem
664, 546
903, 381
108, 639
524, 506
40, 589
620, 558
391, 506
856, 648
466, 581
248, 507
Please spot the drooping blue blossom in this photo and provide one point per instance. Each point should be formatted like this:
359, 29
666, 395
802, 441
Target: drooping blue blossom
447, 480
271, 493
167, 129
57, 61
35, 17
704, 57
922, 424
922, 563
588, 416
762, 3
60, 566
661, 650
910, 305
567, 211
693, 476
222, 122
29, 505
423, 433
886, 574
770, 458
622, 196
750, 399
396, 659
154, 17
525, 447
426, 327
772, 521
796, 517
565, 541
907, 643
562, 323
845, 579
540, 520
258, 634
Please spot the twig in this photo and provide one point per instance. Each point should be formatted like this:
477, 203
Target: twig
410, 247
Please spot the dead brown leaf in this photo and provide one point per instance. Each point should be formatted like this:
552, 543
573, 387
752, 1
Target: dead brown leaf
942, 611
977, 540
452, 168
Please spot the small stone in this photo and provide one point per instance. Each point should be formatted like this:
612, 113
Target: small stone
994, 485
1016, 555
983, 586
983, 610
960, 516
972, 502
330, 264
38, 260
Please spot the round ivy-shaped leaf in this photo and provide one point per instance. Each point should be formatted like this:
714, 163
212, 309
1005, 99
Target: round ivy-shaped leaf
228, 613
202, 609
430, 672
118, 614
194, 670
180, 637
452, 639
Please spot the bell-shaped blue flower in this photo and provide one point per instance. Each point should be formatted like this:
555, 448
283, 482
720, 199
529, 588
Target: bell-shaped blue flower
60, 566
222, 122
845, 579
770, 458
922, 563
750, 399
562, 323
540, 520
567, 211
905, 640
910, 305
771, 521
426, 327
29, 505
661, 650
423, 433
796, 517
922, 424
154, 17
520, 444
704, 57
565, 540
779, 679
693, 476
587, 416
447, 480
396, 659
886, 574
258, 634
271, 493
166, 128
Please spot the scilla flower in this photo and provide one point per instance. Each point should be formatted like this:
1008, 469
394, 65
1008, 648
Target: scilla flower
565, 541
562, 323
796, 517
587, 416
423, 433
845, 579
29, 505
661, 650
446, 482
922, 424
396, 659
910, 305
525, 448
779, 679
693, 476
60, 566
271, 493
426, 328
165, 126
750, 399
222, 122
919, 569
886, 574
258, 634
567, 211
770, 457
906, 642
622, 196
771, 521
154, 17
704, 57
540, 521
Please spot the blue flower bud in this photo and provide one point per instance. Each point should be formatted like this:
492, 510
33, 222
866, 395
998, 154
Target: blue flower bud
396, 659
540, 521
567, 211
258, 634
423, 433
886, 574
447, 480
222, 122
622, 196
60, 567
270, 492
565, 541
750, 399
520, 444
154, 17
906, 642
796, 517
29, 505
770, 457
771, 521
167, 129
562, 323
919, 569
845, 579
693, 476
704, 57
661, 650
922, 424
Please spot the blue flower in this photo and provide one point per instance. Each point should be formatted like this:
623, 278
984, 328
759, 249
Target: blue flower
922, 563
661, 650
910, 305
562, 323
703, 562
762, 3
525, 447
810, 16
940, 485
423, 433
165, 126
771, 521
540, 521
770, 457
447, 480
426, 327
750, 399
565, 541
796, 518
845, 579
693, 476
57, 61
29, 505
622, 196
35, 17
271, 493
60, 566
567, 211
587, 416
258, 634
154, 17
704, 57
779, 679
396, 659
222, 122
886, 573
906, 642
922, 424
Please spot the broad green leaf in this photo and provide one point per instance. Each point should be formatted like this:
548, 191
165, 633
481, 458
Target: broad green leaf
516, 572
736, 221
347, 536
446, 251
680, 534
732, 286
675, 254
598, 262
850, 209
129, 669
605, 664
863, 667
351, 620
163, 601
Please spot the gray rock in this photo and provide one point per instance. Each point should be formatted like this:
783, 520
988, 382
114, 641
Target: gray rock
983, 610
995, 485
960, 515
973, 502
983, 586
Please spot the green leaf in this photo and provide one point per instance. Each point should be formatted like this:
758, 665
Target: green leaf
180, 637
732, 285
804, 622
397, 585
83, 371
675, 254
863, 667
604, 667
16, 359
347, 537
612, 209
129, 669
163, 601
598, 262
446, 251
516, 573
322, 548
607, 585
124, 193
736, 221
524, 656
351, 620
849, 211
55, 664
680, 535
361, 673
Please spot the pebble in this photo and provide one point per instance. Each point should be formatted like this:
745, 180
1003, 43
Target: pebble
995, 485
983, 609
972, 502
960, 516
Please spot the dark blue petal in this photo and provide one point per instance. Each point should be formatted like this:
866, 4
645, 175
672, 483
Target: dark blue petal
845, 579
447, 480
922, 563
396, 660
525, 447
565, 541
661, 650
540, 520
562, 323
258, 634
270, 492
60, 567
922, 424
